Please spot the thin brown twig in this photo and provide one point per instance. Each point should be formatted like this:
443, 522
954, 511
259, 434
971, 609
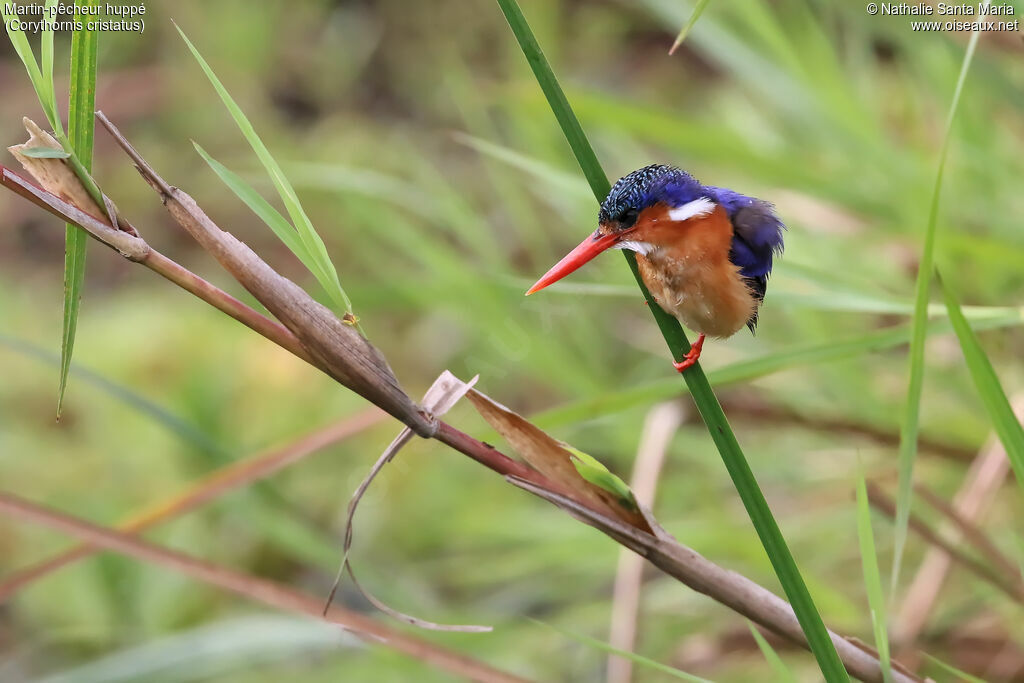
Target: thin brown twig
971, 532
756, 409
207, 489
261, 590
883, 502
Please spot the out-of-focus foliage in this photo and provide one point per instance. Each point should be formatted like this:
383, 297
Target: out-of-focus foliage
832, 114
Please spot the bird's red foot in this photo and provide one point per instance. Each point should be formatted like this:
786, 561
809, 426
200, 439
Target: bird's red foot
691, 356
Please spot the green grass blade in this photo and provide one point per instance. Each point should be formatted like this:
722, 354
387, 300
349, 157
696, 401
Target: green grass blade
567, 120
259, 206
707, 403
747, 370
962, 675
313, 246
44, 92
698, 9
81, 121
625, 654
46, 55
915, 383
1005, 423
872, 577
782, 672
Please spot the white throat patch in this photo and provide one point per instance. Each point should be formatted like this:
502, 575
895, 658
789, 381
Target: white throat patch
698, 207
636, 245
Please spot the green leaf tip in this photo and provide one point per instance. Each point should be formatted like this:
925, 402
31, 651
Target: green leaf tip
1005, 423
308, 246
594, 471
915, 381
698, 9
78, 146
872, 577
44, 153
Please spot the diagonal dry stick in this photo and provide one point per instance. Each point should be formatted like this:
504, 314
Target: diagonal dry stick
217, 483
254, 588
972, 534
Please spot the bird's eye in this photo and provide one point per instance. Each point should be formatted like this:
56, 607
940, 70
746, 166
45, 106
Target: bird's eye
628, 217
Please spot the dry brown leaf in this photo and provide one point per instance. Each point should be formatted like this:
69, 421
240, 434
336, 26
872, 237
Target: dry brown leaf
53, 175
550, 457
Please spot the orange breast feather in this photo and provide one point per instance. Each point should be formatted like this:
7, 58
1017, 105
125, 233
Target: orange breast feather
689, 273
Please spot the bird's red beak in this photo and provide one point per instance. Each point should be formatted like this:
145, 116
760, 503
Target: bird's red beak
587, 250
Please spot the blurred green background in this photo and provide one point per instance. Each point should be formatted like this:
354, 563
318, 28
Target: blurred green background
430, 163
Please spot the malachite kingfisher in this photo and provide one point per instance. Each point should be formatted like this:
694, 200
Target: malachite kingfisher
704, 252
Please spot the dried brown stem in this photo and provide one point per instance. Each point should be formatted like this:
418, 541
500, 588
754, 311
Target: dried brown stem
254, 588
754, 408
971, 532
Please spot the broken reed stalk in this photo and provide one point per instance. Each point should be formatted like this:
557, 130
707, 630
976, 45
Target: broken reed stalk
254, 588
314, 334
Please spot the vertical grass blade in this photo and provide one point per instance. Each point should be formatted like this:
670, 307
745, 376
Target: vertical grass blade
257, 204
704, 398
314, 253
46, 56
782, 672
44, 92
872, 577
915, 382
1005, 423
81, 120
698, 9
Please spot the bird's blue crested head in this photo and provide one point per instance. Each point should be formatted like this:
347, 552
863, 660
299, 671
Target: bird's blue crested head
757, 231
644, 188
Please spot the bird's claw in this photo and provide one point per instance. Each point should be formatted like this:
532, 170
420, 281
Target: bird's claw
691, 356
685, 363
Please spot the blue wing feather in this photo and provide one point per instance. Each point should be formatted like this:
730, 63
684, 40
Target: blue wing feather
757, 238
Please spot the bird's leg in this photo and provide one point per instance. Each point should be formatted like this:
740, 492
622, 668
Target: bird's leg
692, 355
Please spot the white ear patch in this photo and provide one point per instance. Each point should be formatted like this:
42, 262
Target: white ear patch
698, 207
636, 245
